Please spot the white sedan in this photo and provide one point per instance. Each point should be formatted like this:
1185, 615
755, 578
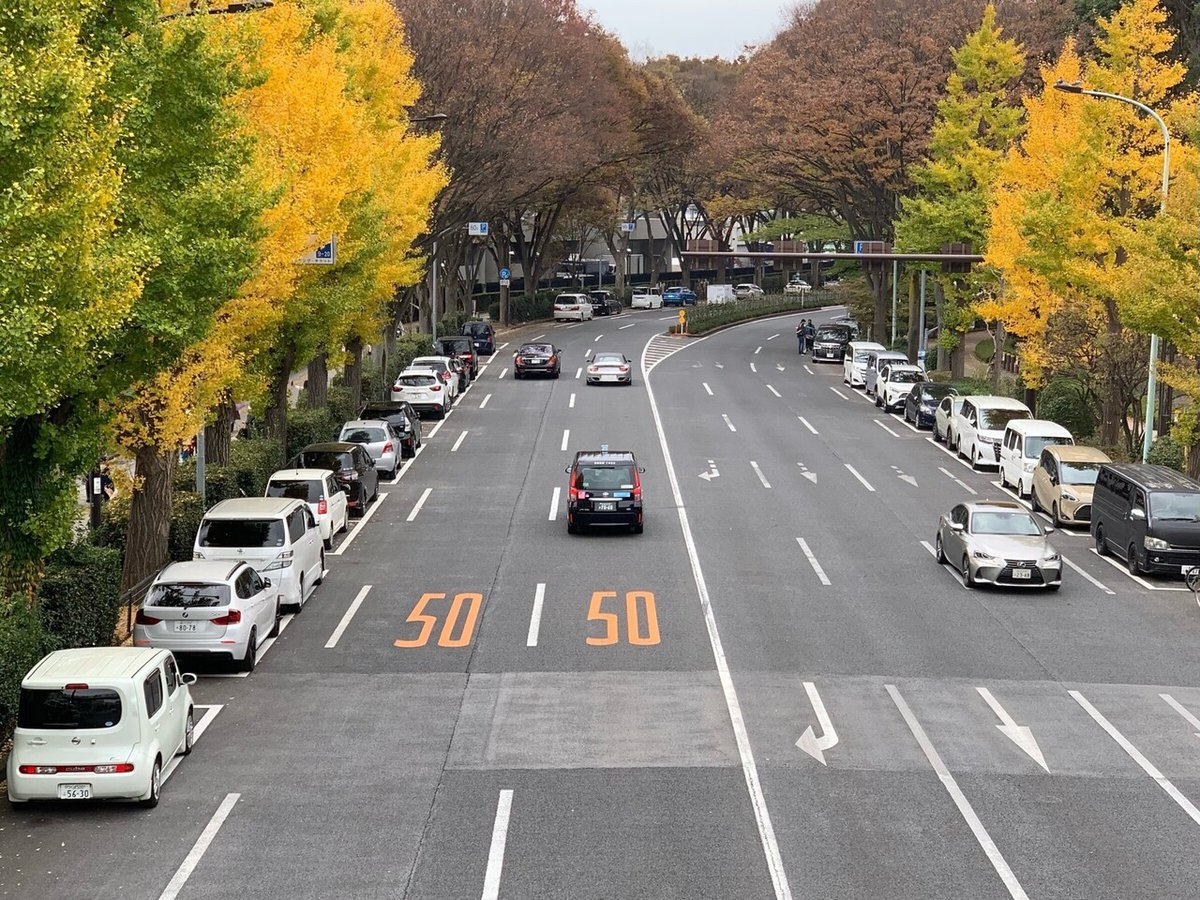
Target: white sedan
609, 368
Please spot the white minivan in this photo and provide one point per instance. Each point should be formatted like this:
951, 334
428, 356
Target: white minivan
1024, 440
979, 427
854, 364
99, 723
277, 535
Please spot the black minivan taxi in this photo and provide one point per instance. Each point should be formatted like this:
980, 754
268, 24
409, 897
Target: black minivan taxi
1149, 516
604, 488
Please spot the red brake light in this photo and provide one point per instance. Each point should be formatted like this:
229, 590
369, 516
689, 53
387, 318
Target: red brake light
322, 507
553, 359
388, 447
143, 619
622, 368
435, 387
233, 617
101, 769
76, 686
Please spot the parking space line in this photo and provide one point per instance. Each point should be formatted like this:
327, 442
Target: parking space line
350, 611
485, 401
954, 573
1086, 576
758, 350
458, 443
807, 369
535, 618
420, 502
554, 504
960, 799
759, 473
882, 424
198, 728
773, 391
501, 347
342, 547
865, 483
503, 372
623, 327
1136, 755
962, 484
807, 424
839, 393
1139, 579
812, 561
495, 863
566, 437
727, 422
1182, 710
179, 879
704, 384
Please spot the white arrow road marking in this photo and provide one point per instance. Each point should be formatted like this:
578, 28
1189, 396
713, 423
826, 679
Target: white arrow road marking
566, 437
811, 476
758, 472
884, 426
707, 388
753, 368
711, 473
458, 443
960, 799
772, 337
807, 424
811, 744
773, 391
1136, 755
812, 561
719, 365
780, 368
865, 483
1179, 708
727, 422
808, 370
899, 474
1021, 735
758, 349
962, 484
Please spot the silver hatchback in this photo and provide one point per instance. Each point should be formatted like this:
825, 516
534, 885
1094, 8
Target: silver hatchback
378, 439
998, 542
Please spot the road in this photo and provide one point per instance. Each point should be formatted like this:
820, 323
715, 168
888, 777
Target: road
774, 692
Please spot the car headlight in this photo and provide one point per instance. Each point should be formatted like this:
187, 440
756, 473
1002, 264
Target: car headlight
1153, 543
1067, 495
1051, 558
984, 557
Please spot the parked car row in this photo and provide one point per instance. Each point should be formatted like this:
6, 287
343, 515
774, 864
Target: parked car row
582, 307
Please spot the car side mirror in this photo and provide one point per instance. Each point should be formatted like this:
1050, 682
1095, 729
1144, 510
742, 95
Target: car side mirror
266, 582
1137, 514
957, 527
1049, 529
567, 470
188, 678
641, 470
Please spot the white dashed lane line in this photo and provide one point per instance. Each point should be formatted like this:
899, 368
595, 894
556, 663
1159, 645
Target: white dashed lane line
773, 391
458, 443
485, 401
727, 422
812, 561
420, 503
503, 372
566, 438
759, 473
554, 504
707, 389
623, 327
807, 424
571, 402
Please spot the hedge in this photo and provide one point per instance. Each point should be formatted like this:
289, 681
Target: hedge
526, 309
706, 317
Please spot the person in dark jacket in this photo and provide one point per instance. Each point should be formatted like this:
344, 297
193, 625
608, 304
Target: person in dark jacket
810, 336
800, 335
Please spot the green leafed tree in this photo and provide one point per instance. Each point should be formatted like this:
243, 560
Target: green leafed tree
977, 120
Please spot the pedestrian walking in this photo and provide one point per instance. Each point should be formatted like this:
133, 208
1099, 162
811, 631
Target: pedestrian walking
800, 336
810, 336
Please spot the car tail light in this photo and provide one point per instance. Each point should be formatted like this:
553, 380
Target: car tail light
593, 369
435, 387
575, 494
75, 686
141, 619
322, 507
622, 368
552, 360
233, 617
388, 448
102, 769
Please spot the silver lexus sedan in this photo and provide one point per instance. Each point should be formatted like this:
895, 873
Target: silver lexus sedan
998, 542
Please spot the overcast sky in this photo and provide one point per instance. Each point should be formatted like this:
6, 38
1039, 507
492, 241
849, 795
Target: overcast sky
689, 27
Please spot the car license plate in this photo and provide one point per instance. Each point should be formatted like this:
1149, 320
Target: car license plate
605, 506
186, 627
74, 792
1021, 574
1188, 570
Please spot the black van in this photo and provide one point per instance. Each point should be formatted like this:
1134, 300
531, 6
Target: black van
1149, 515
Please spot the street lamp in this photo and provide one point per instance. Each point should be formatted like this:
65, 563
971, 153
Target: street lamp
1075, 87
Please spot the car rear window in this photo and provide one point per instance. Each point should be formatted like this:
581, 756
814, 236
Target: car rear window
242, 533
309, 490
188, 595
79, 708
325, 460
537, 350
605, 478
363, 435
416, 380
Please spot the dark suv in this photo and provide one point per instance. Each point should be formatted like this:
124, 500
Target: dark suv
462, 348
604, 303
352, 468
482, 335
830, 342
404, 421
536, 359
604, 488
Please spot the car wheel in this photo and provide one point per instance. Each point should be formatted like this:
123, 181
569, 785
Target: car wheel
968, 579
274, 632
637, 528
572, 528
516, 375
345, 523
1003, 480
1131, 561
878, 402
938, 437
1033, 500
320, 578
189, 733
299, 604
1101, 543
250, 660
557, 372
939, 552
327, 543
151, 799
975, 459
1054, 517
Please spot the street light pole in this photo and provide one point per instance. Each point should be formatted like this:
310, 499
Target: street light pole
1152, 372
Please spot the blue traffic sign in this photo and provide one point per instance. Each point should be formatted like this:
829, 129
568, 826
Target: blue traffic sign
505, 273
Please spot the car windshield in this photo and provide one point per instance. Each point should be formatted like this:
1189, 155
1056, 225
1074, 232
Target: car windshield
1035, 444
832, 334
1182, 506
1020, 523
1079, 472
308, 489
935, 392
363, 435
241, 533
905, 377
604, 478
996, 419
387, 413
861, 356
76, 708
325, 459
188, 595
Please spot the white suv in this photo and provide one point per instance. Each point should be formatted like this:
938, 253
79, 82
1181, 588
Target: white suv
979, 427
424, 390
894, 383
572, 306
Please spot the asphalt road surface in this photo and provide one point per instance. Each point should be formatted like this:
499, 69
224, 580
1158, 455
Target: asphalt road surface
774, 692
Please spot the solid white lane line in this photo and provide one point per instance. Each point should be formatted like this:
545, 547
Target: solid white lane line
839, 393
899, 417
179, 879
727, 422
758, 800
773, 391
953, 570
962, 484
359, 527
495, 863
578, 372
1088, 577
808, 370
950, 453
753, 368
420, 502
807, 424
485, 401
566, 437
350, 611
501, 347
198, 728
535, 619
865, 483
960, 799
1183, 711
884, 426
1139, 579
554, 504
1136, 755
503, 372
759, 473
458, 443
772, 337
538, 338
623, 327
571, 402
758, 349
597, 338
704, 384
483, 368
812, 561
438, 427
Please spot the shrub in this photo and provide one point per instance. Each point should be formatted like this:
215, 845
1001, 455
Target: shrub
80, 595
311, 426
1166, 451
1066, 402
707, 317
525, 309
972, 385
186, 513
22, 643
254, 460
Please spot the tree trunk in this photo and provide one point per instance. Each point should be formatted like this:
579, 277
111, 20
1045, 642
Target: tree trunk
219, 435
916, 328
353, 371
998, 341
876, 280
939, 305
317, 391
149, 516
278, 398
1112, 413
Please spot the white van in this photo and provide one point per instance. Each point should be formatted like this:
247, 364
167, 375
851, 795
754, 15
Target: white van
876, 361
1024, 440
277, 535
854, 363
979, 427
99, 723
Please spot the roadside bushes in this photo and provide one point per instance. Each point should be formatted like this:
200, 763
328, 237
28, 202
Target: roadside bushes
22, 643
525, 309
1166, 451
707, 317
1066, 402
